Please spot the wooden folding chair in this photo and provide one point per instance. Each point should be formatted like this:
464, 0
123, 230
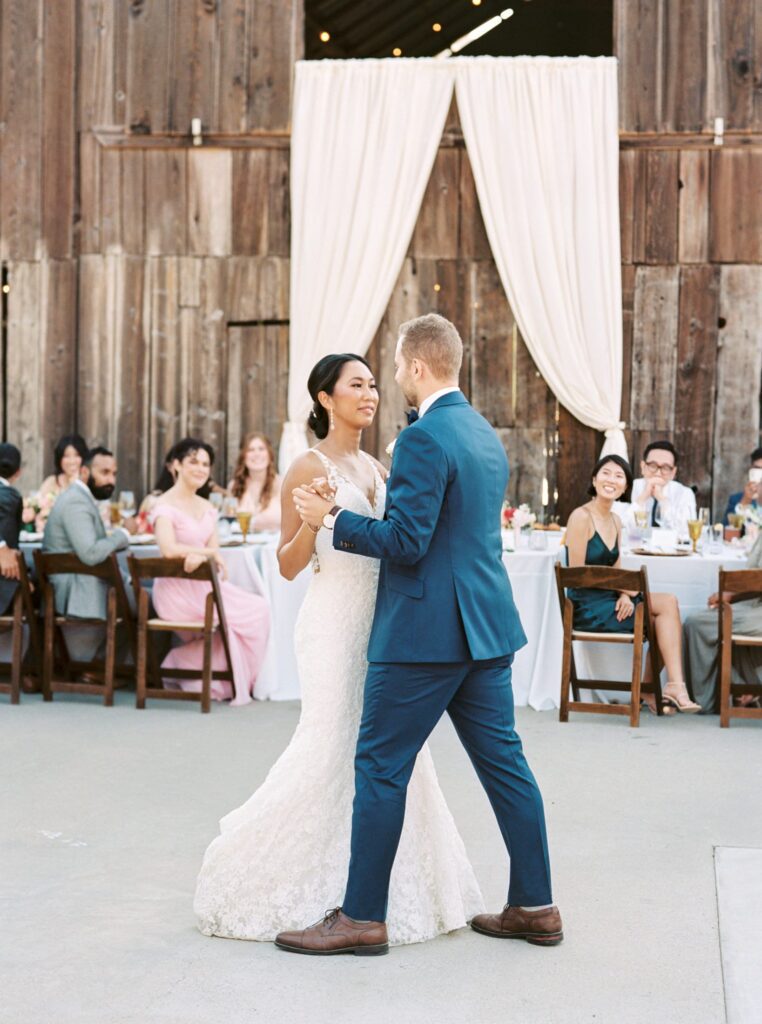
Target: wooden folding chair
743, 584
173, 568
20, 614
596, 577
118, 613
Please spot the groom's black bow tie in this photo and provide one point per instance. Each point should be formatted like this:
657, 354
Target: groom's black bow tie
412, 416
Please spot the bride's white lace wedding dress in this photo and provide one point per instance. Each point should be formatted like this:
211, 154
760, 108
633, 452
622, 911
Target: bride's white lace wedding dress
281, 859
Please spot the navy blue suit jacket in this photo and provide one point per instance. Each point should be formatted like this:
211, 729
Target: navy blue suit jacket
443, 592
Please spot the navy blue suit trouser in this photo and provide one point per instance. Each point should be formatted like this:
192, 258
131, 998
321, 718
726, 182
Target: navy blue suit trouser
403, 703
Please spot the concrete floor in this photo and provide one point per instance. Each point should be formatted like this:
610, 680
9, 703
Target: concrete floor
105, 814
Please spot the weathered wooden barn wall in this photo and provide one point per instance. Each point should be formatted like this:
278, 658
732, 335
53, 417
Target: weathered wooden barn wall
691, 215
149, 278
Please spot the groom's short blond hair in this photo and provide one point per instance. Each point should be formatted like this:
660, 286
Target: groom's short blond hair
436, 342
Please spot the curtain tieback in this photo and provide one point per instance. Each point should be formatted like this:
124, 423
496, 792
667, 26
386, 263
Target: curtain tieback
614, 430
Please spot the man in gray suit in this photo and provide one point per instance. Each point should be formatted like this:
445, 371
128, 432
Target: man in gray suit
75, 526
11, 505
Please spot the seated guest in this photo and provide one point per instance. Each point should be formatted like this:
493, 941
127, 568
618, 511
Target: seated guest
702, 642
593, 536
667, 502
751, 495
75, 526
255, 483
11, 504
186, 526
69, 457
167, 479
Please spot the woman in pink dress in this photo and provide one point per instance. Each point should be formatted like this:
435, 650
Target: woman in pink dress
185, 525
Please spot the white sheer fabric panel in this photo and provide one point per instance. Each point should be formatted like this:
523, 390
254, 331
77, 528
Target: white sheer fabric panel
542, 137
365, 135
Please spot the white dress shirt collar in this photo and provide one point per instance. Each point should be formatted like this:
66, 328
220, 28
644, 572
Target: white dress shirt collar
427, 403
4, 481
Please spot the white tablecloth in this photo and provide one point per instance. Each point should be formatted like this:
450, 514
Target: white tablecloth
537, 668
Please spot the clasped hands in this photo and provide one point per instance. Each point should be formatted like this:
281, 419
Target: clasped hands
194, 559
314, 500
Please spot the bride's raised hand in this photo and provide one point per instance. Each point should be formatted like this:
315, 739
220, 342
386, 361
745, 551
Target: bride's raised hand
321, 486
311, 506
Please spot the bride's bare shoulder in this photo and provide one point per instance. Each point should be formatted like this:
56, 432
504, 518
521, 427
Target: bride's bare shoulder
303, 470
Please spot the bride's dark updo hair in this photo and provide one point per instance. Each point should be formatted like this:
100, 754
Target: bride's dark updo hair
323, 377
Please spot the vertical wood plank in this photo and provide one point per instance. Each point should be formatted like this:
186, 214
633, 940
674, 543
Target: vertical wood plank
95, 374
685, 28
735, 207
169, 360
194, 47
696, 376
231, 102
149, 32
661, 206
250, 181
95, 72
275, 41
638, 43
435, 235
578, 450
693, 215
128, 418
166, 211
654, 348
21, 115
58, 362
206, 351
26, 307
132, 201
737, 61
210, 202
739, 369
89, 226
58, 126
473, 243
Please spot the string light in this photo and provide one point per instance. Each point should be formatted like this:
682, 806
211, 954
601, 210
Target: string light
476, 3
325, 37
436, 27
437, 287
396, 52
6, 288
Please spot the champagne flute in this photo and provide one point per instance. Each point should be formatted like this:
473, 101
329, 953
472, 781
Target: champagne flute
695, 528
244, 521
641, 518
703, 514
216, 501
736, 520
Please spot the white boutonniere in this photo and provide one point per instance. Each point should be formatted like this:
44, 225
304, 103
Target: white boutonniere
390, 447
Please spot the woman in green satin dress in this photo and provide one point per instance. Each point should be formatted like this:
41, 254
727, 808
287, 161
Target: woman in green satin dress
593, 536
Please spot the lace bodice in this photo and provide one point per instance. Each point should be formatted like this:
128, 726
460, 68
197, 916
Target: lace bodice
350, 497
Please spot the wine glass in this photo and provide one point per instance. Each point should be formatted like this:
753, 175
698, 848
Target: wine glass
736, 520
695, 528
244, 521
127, 503
116, 513
216, 501
703, 514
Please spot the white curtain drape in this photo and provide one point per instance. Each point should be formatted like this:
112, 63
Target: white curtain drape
365, 135
542, 137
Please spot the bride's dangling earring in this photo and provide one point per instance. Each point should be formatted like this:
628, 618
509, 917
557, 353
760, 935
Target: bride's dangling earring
330, 419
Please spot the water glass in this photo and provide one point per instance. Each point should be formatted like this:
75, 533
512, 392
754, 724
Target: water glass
538, 540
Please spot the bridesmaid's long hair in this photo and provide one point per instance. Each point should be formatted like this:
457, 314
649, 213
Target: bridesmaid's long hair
323, 377
241, 473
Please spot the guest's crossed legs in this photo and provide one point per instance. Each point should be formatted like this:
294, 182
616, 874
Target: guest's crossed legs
403, 703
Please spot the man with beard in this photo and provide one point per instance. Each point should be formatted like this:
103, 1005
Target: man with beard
75, 527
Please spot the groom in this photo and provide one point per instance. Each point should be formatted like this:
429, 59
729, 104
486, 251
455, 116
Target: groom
444, 634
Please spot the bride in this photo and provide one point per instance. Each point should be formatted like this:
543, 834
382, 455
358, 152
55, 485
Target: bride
282, 857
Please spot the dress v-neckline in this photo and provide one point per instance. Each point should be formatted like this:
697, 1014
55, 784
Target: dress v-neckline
371, 502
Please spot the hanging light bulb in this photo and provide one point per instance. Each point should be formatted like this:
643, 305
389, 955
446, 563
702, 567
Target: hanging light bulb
396, 52
436, 27
325, 37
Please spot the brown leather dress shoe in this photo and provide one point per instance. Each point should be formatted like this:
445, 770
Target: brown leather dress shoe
540, 927
335, 934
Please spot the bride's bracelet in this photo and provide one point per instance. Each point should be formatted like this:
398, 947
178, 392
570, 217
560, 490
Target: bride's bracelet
315, 529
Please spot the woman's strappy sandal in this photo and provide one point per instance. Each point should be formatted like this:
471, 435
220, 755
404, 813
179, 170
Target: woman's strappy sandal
687, 707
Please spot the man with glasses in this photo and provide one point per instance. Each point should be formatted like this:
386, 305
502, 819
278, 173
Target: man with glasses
667, 503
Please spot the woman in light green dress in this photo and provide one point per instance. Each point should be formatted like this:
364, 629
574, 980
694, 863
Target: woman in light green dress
702, 642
